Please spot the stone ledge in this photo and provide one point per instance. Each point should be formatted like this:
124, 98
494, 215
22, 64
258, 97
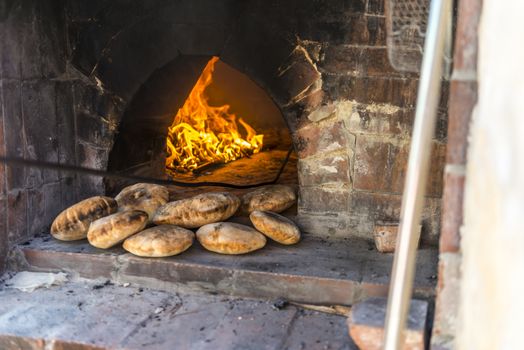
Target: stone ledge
96, 315
366, 324
315, 271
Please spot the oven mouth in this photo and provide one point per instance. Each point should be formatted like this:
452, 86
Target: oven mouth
225, 125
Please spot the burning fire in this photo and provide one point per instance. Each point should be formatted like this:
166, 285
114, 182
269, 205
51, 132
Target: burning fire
202, 134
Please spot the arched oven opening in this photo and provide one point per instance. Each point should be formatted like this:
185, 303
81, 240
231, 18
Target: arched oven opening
199, 120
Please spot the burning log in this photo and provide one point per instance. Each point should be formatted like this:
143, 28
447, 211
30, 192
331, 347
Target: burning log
202, 134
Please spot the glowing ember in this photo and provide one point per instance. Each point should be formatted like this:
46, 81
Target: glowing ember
202, 134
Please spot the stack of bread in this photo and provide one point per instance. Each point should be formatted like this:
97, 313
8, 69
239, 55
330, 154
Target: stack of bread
142, 217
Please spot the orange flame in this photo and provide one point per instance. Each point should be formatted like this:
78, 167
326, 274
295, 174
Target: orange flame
202, 134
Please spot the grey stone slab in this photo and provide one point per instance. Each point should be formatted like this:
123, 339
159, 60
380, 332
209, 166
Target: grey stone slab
182, 325
315, 330
97, 313
367, 319
82, 312
84, 265
313, 271
372, 312
250, 325
378, 269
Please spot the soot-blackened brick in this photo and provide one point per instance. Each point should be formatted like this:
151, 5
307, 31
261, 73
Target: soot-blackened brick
321, 199
94, 130
65, 120
331, 169
14, 131
296, 75
17, 216
376, 6
381, 165
369, 90
366, 208
327, 137
40, 125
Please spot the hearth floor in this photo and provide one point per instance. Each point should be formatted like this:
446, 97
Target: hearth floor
91, 315
316, 270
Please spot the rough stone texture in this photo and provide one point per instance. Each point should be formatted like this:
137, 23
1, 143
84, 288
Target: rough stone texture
333, 168
375, 207
452, 208
462, 102
37, 88
448, 296
315, 270
66, 80
380, 166
367, 318
385, 236
68, 317
324, 199
319, 139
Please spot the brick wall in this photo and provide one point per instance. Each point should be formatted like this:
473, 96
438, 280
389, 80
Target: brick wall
70, 69
46, 108
354, 154
462, 102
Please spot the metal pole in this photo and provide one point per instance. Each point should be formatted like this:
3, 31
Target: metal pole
418, 164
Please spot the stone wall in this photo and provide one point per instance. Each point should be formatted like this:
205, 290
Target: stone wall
325, 66
70, 68
48, 111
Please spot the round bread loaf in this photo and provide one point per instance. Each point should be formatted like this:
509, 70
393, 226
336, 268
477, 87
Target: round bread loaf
275, 198
113, 229
142, 196
73, 223
230, 238
199, 210
160, 241
275, 226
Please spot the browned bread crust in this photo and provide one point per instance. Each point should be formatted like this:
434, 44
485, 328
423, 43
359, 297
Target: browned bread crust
230, 238
113, 229
73, 223
275, 198
199, 210
160, 241
275, 226
142, 196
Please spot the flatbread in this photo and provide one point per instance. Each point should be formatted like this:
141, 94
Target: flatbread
275, 226
113, 229
230, 238
199, 210
160, 241
73, 223
142, 196
275, 198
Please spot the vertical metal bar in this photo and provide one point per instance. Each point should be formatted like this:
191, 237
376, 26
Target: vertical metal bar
448, 43
418, 164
